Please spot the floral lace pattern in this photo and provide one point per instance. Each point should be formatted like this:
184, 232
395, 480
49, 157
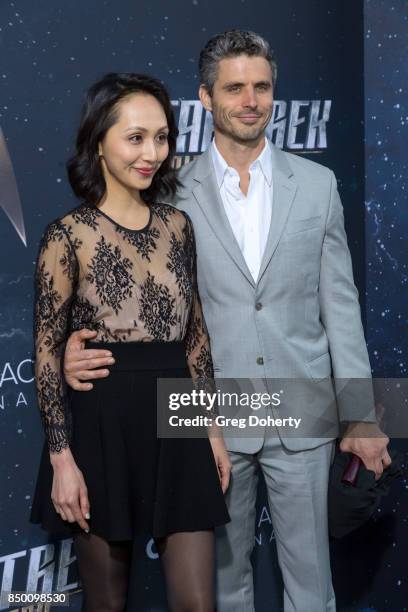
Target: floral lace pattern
127, 285
109, 272
145, 242
157, 308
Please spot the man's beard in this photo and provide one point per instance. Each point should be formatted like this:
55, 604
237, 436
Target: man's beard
245, 133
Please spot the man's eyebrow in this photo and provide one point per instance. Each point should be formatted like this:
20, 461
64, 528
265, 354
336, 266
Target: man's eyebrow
238, 84
233, 84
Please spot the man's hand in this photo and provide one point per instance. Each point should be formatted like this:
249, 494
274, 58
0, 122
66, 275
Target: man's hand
367, 441
79, 363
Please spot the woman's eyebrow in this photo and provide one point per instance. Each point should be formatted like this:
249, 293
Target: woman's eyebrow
138, 128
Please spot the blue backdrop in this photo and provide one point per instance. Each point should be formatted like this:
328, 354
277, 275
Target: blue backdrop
50, 52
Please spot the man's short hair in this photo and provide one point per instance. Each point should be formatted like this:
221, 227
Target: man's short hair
231, 44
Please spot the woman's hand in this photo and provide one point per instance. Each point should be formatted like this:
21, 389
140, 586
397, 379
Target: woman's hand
69, 493
222, 460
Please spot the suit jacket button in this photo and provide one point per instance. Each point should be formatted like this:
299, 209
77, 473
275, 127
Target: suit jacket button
258, 306
259, 360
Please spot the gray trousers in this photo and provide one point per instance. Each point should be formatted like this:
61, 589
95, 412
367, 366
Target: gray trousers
297, 495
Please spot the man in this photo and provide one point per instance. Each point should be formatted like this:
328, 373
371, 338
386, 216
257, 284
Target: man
276, 285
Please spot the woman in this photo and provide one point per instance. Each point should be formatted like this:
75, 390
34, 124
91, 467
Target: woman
123, 265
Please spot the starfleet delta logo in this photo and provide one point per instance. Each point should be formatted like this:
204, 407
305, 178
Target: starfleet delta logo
299, 126
9, 197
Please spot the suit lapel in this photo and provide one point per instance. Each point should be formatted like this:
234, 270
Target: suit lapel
208, 197
284, 191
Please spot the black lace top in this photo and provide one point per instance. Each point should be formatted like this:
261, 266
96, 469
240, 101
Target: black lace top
128, 285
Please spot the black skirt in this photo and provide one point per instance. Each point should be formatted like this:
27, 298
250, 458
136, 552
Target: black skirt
136, 482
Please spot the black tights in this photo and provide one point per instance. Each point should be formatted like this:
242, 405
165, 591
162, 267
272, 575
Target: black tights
104, 570
188, 563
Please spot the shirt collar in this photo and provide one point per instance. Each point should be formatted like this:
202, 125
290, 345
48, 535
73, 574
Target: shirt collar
264, 160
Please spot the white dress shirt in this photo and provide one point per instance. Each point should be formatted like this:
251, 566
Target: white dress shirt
250, 215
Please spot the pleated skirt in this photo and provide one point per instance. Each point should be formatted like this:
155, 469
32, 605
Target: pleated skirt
137, 483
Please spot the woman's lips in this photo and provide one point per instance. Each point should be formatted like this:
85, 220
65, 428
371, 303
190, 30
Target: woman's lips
145, 171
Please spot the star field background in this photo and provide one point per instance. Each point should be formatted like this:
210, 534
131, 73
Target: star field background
50, 52
386, 131
375, 556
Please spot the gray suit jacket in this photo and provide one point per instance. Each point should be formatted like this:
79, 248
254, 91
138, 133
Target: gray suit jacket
302, 318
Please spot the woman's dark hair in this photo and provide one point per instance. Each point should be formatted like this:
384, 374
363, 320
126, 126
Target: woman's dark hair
99, 113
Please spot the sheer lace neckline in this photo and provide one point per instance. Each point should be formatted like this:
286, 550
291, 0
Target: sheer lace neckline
127, 229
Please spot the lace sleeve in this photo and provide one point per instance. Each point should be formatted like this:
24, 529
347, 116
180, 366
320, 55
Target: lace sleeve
196, 339
55, 278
